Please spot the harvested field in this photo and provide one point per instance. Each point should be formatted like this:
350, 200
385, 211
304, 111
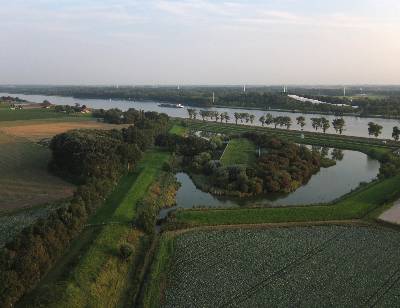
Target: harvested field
346, 266
37, 131
24, 179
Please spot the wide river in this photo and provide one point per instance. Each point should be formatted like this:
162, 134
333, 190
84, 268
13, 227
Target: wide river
323, 187
355, 126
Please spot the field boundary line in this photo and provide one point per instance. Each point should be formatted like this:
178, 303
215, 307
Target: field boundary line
348, 222
383, 289
220, 158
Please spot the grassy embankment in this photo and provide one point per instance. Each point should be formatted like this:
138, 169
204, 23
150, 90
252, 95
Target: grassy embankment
99, 278
157, 277
355, 206
330, 140
238, 151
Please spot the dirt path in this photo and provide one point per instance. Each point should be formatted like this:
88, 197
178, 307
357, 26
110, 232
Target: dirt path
392, 215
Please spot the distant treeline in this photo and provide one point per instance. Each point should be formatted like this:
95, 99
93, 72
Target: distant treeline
94, 159
262, 97
385, 101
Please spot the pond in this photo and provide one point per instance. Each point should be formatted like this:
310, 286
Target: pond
355, 126
325, 186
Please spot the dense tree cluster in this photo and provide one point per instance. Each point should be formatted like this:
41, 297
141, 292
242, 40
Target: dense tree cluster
77, 108
96, 160
282, 166
131, 116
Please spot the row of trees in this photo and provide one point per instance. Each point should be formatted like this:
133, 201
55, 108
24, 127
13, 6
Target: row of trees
94, 159
282, 121
338, 124
375, 130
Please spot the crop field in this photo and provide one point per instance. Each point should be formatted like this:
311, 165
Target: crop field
239, 151
350, 266
24, 179
36, 131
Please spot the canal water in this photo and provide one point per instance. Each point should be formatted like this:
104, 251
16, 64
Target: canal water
355, 126
325, 186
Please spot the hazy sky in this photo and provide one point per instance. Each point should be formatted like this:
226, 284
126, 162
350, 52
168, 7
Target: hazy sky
199, 42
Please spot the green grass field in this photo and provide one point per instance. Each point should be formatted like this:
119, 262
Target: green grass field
239, 151
178, 130
354, 206
342, 266
7, 114
101, 278
24, 179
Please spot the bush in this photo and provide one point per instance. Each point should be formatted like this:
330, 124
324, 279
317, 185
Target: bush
125, 251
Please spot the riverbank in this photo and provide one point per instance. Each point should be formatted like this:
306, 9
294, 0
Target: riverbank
355, 126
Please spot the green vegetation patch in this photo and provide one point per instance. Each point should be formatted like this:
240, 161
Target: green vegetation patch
101, 278
311, 266
239, 151
178, 130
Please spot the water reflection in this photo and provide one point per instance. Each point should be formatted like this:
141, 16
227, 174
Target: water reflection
328, 184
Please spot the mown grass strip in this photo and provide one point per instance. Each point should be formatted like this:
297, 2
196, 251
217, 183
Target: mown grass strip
238, 151
356, 205
178, 130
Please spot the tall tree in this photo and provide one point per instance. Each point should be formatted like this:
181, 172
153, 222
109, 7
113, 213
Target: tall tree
262, 120
276, 121
325, 124
338, 125
269, 119
286, 121
301, 121
396, 133
374, 129
252, 117
237, 117
203, 114
316, 123
227, 117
